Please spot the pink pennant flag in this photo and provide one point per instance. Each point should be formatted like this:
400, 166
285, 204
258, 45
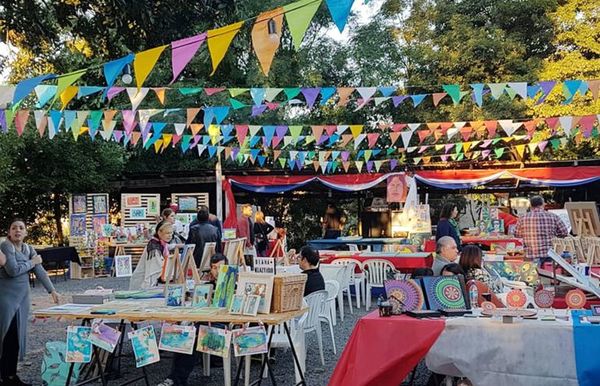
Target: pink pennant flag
182, 51
21, 120
447, 147
542, 146
214, 90
176, 139
241, 133
372, 139
41, 121
114, 91
128, 121
330, 129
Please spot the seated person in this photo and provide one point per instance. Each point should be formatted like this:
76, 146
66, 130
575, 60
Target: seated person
309, 263
446, 253
183, 364
452, 269
421, 272
471, 263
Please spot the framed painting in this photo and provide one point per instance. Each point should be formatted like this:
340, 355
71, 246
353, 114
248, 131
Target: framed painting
99, 205
123, 266
137, 213
258, 284
79, 203
77, 225
443, 292
133, 200
153, 206
188, 204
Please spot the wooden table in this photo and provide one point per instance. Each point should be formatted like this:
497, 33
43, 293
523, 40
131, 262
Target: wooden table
135, 311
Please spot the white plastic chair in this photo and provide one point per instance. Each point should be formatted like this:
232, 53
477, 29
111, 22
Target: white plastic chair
356, 279
315, 302
336, 272
327, 314
376, 271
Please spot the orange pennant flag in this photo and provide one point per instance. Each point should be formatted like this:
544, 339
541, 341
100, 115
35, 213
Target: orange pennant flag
196, 127
266, 37
135, 137
346, 138
191, 114
317, 131
394, 137
433, 125
465, 132
422, 134
144, 63
437, 97
21, 120
109, 115
491, 127
219, 40
344, 93
160, 94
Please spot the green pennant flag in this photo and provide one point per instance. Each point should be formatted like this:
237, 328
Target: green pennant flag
499, 152
298, 16
454, 91
237, 91
368, 154
458, 147
460, 157
282, 162
496, 140
236, 104
291, 92
295, 131
65, 81
190, 90
555, 143
390, 151
510, 92
497, 89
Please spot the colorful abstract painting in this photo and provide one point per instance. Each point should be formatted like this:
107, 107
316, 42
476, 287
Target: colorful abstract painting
175, 295
213, 341
249, 341
516, 299
225, 286
177, 338
79, 203
77, 225
100, 206
408, 292
79, 347
144, 346
98, 222
515, 271
544, 298
443, 292
202, 295
575, 299
104, 336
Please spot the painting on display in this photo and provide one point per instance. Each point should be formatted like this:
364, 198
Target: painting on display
79, 347
237, 304
79, 203
104, 336
225, 286
443, 292
175, 295
137, 213
54, 368
249, 341
99, 204
396, 188
513, 270
184, 218
153, 206
144, 346
259, 284
251, 305
407, 292
213, 341
98, 223
77, 225
133, 201
188, 204
123, 266
202, 295
177, 338
229, 234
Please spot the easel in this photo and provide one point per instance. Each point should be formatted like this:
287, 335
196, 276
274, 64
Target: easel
278, 250
234, 251
177, 269
209, 251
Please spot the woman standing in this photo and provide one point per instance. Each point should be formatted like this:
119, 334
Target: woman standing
261, 232
19, 259
150, 267
447, 225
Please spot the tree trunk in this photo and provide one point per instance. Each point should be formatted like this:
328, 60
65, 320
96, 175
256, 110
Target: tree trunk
57, 219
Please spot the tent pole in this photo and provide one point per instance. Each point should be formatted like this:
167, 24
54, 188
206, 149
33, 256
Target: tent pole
219, 188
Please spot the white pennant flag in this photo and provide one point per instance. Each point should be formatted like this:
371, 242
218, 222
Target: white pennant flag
179, 128
406, 135
567, 124
136, 96
358, 140
508, 126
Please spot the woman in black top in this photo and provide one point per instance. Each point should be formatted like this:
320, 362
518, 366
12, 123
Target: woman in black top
261, 231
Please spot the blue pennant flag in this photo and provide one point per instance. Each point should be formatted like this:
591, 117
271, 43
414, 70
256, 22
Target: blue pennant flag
113, 69
326, 94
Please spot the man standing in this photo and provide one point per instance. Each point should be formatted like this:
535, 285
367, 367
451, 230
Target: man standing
446, 253
537, 229
245, 228
203, 233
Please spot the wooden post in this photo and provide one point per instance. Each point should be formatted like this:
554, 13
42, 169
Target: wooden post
219, 188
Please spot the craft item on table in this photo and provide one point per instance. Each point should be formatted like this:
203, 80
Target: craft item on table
225, 286
175, 295
202, 295
79, 203
544, 298
77, 225
144, 346
207, 253
99, 205
251, 305
79, 347
264, 265
188, 204
213, 341
68, 308
229, 233
406, 292
104, 336
144, 294
443, 292
260, 284
516, 298
515, 271
249, 341
133, 200
54, 368
524, 313
237, 304
177, 338
137, 213
123, 266
152, 206
487, 306
575, 299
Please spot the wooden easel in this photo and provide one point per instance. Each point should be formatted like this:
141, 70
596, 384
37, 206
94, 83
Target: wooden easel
177, 267
278, 250
234, 251
209, 251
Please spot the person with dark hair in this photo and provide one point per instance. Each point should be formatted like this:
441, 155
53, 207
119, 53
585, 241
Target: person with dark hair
448, 225
332, 222
422, 272
471, 261
203, 233
168, 214
537, 229
309, 263
16, 261
152, 263
245, 229
452, 269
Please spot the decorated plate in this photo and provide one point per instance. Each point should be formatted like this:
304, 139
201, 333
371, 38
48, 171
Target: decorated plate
487, 306
524, 313
516, 299
544, 298
405, 293
575, 298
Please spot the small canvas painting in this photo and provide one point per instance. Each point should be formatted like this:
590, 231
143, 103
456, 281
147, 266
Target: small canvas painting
249, 341
214, 341
260, 284
98, 222
144, 346
123, 266
443, 292
77, 225
153, 206
100, 205
202, 295
137, 213
177, 338
133, 200
79, 203
175, 295
104, 336
237, 305
79, 347
225, 286
188, 204
251, 305
184, 218
229, 234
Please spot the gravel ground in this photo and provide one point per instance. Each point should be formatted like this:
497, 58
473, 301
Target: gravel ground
41, 332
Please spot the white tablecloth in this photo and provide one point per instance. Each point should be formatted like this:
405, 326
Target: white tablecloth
490, 353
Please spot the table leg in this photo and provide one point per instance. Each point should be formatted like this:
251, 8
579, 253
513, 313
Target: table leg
289, 336
111, 359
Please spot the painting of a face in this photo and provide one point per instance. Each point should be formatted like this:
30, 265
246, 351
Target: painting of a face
396, 189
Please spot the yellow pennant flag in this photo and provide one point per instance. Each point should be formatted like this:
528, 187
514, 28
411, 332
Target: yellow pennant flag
67, 95
266, 37
65, 81
158, 145
144, 63
520, 150
356, 130
166, 140
218, 41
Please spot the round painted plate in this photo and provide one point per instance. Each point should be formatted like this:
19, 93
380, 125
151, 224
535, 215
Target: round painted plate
449, 293
575, 298
544, 298
516, 299
487, 306
408, 292
524, 313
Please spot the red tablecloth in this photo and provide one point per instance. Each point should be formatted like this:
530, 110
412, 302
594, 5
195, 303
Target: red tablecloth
488, 241
383, 351
402, 263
